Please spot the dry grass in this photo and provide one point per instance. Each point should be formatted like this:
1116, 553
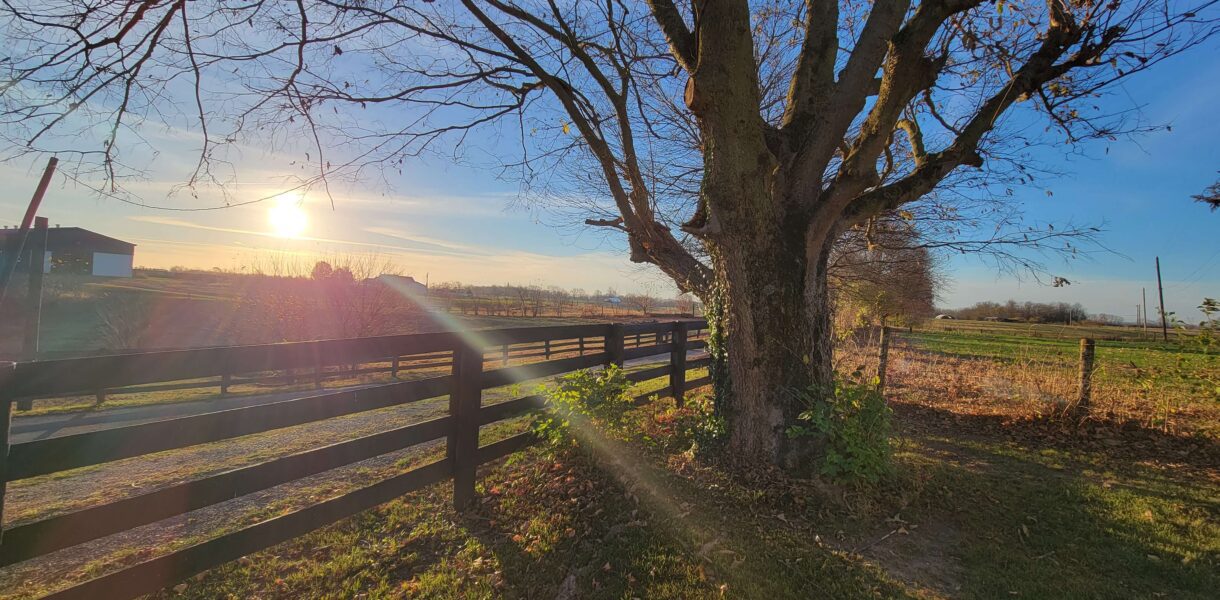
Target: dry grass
1030, 383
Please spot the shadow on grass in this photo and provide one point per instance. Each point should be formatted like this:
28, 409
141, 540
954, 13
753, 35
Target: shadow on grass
1108, 441
642, 531
1036, 518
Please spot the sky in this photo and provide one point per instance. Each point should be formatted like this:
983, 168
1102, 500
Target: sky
441, 221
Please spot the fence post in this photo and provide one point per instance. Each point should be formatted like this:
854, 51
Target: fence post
394, 367
677, 363
225, 380
548, 349
614, 345
883, 357
504, 356
465, 399
582, 346
1085, 394
6, 413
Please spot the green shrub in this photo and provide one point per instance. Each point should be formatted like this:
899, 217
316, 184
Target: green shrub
854, 420
695, 427
599, 395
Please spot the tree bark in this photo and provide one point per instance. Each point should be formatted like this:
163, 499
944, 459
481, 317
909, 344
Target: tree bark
778, 343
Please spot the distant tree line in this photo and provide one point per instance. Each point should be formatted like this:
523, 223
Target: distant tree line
539, 301
1026, 312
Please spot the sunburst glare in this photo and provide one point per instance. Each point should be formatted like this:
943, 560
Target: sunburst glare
287, 216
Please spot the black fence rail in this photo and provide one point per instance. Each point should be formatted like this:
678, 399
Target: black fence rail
472, 361
240, 373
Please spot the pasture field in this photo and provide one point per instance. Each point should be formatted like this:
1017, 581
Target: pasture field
1170, 385
994, 494
980, 506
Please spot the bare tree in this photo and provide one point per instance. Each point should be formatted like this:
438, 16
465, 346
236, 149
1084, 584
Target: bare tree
644, 303
123, 320
883, 272
732, 149
1210, 196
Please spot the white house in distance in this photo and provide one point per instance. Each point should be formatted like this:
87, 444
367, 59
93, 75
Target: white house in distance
78, 251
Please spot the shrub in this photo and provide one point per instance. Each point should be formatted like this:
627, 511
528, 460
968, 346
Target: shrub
695, 427
854, 421
599, 395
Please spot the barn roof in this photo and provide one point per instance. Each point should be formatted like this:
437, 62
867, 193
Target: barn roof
64, 238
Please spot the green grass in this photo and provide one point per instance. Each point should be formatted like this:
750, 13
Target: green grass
973, 513
976, 518
1040, 522
1180, 369
1054, 330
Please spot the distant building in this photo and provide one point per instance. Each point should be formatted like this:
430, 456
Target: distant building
404, 284
73, 250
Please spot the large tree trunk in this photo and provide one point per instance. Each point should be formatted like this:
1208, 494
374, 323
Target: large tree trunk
779, 344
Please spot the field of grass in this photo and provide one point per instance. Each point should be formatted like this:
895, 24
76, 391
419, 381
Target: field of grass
975, 512
992, 497
1151, 381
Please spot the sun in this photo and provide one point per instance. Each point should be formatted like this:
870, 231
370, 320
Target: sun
287, 216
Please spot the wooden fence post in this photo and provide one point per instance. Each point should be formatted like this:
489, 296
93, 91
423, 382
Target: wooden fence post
1085, 392
465, 399
225, 380
677, 363
504, 356
6, 413
548, 349
582, 345
614, 345
394, 367
883, 357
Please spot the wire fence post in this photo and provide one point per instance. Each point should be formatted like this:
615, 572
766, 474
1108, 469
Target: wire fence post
677, 363
883, 357
1085, 391
465, 398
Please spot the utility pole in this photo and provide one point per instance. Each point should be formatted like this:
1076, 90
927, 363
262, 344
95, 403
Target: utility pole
1144, 293
1160, 290
33, 293
16, 246
33, 315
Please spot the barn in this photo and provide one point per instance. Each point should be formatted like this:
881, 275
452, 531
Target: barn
78, 251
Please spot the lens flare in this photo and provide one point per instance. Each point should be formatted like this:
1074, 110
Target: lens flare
287, 216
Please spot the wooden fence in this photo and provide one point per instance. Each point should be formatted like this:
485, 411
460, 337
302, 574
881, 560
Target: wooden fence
475, 360
239, 374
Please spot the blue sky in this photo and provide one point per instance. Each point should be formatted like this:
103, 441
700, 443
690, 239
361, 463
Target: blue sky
452, 222
1140, 189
